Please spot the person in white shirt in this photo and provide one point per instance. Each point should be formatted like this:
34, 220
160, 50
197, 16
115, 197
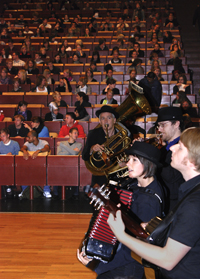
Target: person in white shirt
45, 24
16, 60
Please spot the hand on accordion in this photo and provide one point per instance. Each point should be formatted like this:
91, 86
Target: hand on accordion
82, 257
116, 224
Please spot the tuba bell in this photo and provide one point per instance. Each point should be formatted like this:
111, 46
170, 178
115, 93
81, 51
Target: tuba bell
103, 163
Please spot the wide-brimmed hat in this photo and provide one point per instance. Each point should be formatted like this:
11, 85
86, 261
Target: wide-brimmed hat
107, 109
169, 113
146, 151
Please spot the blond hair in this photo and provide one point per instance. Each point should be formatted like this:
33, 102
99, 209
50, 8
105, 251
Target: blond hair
23, 74
191, 140
55, 94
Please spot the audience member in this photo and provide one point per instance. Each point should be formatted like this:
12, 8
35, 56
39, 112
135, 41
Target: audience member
75, 59
41, 85
9, 66
37, 124
67, 74
154, 57
82, 100
16, 85
63, 86
167, 38
140, 53
111, 83
182, 85
89, 75
171, 22
57, 98
136, 64
54, 113
82, 86
95, 57
54, 70
18, 129
47, 74
4, 78
115, 58
31, 68
71, 146
158, 73
101, 45
24, 53
70, 122
109, 98
22, 77
157, 50
8, 146
22, 110
36, 146
138, 12
38, 58
16, 60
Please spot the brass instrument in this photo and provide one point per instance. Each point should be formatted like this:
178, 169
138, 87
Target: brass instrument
103, 163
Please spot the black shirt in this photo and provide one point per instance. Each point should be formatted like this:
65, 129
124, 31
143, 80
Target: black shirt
185, 229
114, 90
22, 132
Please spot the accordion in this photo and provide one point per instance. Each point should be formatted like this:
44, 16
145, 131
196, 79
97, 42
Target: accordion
100, 243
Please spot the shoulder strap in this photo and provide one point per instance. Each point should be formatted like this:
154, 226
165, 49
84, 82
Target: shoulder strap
151, 192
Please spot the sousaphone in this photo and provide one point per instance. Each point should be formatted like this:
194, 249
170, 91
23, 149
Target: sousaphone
135, 105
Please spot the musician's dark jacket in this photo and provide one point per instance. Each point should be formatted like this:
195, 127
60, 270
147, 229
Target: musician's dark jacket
152, 91
185, 229
145, 205
170, 177
95, 136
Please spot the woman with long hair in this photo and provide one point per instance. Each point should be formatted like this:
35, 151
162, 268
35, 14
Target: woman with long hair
89, 75
47, 75
182, 85
31, 67
62, 52
41, 85
95, 57
81, 104
22, 76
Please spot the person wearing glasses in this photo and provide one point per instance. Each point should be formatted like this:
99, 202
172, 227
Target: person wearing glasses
170, 125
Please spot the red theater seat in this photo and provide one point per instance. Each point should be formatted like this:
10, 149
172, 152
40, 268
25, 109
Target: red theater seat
6, 171
63, 171
85, 174
53, 126
30, 172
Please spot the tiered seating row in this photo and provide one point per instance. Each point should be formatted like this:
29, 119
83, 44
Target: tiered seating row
38, 103
51, 170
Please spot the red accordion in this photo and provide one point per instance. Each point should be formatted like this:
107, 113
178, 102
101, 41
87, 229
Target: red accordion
100, 243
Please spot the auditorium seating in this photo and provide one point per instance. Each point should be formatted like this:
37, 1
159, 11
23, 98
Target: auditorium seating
38, 103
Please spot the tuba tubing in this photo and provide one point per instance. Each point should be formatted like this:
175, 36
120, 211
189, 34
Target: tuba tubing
134, 105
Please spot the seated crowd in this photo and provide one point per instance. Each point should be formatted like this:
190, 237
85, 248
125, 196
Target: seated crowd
74, 57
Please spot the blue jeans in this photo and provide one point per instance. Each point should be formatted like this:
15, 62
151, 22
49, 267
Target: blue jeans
46, 188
